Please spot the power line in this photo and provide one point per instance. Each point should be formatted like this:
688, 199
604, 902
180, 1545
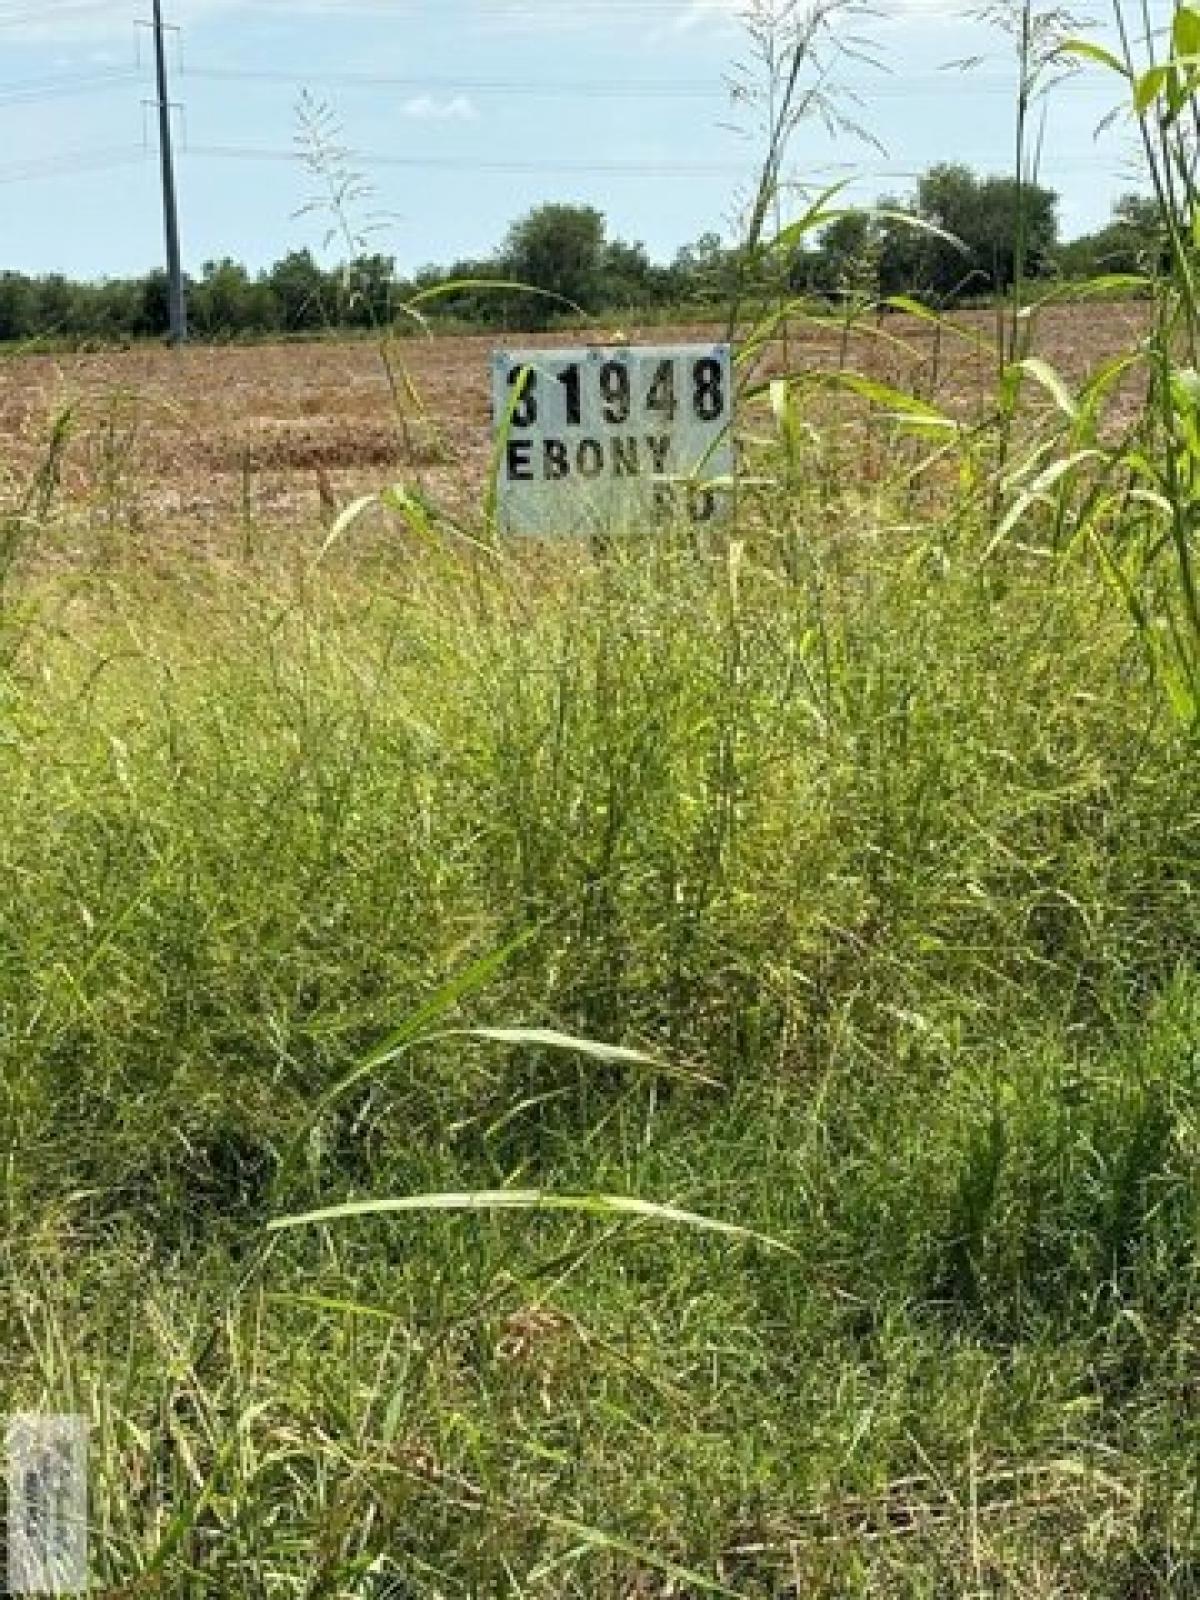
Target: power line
48, 8
19, 94
79, 161
45, 16
489, 16
632, 169
942, 83
71, 162
472, 164
549, 11
945, 83
556, 88
35, 91
493, 17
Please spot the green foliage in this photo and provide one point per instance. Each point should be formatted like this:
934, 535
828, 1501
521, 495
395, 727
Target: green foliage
982, 213
559, 249
862, 1260
1134, 241
1128, 489
880, 858
972, 255
564, 251
226, 298
302, 292
17, 310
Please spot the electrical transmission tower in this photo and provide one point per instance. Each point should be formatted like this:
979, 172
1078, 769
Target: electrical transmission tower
178, 305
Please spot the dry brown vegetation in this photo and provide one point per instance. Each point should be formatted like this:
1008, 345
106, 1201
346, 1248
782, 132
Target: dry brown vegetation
190, 441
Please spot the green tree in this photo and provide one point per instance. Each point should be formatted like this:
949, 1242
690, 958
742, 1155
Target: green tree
846, 261
152, 316
480, 306
629, 277
301, 291
368, 289
60, 306
986, 216
17, 307
558, 249
228, 301
112, 310
704, 269
1133, 241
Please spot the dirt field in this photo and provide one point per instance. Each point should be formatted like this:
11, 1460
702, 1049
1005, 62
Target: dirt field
283, 433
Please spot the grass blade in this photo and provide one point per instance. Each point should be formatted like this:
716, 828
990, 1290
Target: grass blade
598, 1205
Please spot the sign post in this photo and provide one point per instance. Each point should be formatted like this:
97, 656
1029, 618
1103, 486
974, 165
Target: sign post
604, 440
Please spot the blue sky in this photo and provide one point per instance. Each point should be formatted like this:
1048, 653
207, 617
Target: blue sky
465, 113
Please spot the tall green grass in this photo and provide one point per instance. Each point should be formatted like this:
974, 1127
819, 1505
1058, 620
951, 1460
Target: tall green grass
882, 853
859, 1255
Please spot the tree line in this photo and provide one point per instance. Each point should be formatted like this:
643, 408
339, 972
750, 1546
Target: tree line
955, 239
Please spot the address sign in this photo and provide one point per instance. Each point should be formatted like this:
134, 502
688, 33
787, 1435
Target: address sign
603, 439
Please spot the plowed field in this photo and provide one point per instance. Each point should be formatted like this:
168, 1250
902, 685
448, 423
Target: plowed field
283, 433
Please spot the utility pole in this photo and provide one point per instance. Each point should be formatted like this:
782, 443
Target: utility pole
170, 205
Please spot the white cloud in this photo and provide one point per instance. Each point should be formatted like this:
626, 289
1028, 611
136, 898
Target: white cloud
719, 18
698, 12
428, 108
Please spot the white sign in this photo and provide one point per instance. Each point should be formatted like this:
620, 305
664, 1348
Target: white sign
47, 1505
603, 440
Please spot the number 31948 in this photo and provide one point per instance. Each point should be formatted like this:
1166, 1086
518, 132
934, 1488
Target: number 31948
615, 391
